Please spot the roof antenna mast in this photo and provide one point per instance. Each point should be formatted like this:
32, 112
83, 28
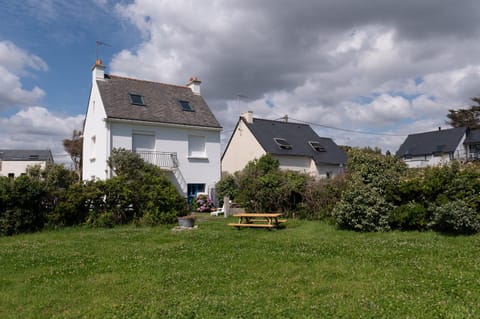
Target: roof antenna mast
97, 44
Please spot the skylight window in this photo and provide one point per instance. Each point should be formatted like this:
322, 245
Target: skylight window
282, 143
136, 99
317, 146
186, 106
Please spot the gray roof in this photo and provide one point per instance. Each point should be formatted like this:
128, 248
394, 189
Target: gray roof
441, 141
161, 102
298, 136
26, 155
473, 137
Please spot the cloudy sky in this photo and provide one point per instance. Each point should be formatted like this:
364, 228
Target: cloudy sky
348, 67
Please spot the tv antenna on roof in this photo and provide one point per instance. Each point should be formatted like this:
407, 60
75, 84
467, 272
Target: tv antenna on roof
97, 44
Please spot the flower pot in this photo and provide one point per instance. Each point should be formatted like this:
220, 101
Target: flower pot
186, 222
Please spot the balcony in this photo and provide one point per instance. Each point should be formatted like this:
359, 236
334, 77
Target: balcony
164, 160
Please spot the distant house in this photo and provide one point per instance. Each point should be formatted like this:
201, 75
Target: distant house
296, 146
440, 147
14, 163
168, 125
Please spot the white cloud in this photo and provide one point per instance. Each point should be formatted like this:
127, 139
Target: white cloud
384, 68
15, 62
37, 128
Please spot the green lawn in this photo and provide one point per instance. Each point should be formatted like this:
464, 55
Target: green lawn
307, 270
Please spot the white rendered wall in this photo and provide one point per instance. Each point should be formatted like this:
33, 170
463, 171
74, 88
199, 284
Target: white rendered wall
328, 170
95, 154
307, 165
243, 148
18, 167
174, 139
295, 163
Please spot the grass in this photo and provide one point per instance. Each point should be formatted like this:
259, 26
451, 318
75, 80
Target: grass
307, 270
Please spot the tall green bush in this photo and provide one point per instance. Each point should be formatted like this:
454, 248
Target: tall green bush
262, 187
25, 210
456, 217
320, 197
362, 208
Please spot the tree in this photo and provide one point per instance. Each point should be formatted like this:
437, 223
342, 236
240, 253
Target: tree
74, 148
469, 118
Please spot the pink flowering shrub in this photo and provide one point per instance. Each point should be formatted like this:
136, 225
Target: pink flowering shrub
203, 203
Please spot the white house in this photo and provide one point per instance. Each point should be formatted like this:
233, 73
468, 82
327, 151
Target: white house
168, 125
14, 163
440, 147
296, 146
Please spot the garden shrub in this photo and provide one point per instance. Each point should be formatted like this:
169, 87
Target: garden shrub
456, 217
320, 197
362, 208
202, 203
226, 186
25, 210
410, 216
102, 219
259, 185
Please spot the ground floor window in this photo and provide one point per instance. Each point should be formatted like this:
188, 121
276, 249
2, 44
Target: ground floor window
193, 190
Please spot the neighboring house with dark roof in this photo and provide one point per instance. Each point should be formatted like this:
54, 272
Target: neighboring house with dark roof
440, 147
296, 146
170, 126
14, 163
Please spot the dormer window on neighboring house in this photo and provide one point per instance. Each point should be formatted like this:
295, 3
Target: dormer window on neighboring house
136, 99
317, 146
439, 150
282, 143
186, 106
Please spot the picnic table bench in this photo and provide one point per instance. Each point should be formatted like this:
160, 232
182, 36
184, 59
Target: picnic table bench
260, 220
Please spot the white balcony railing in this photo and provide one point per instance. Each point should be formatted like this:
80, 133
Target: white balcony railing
164, 160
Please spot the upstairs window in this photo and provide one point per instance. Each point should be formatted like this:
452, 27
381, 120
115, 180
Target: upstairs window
136, 99
196, 146
186, 106
282, 143
317, 146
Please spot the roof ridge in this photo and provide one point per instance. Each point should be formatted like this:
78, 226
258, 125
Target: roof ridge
140, 80
437, 131
275, 121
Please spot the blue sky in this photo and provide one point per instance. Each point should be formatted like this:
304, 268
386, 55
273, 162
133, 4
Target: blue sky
64, 34
388, 67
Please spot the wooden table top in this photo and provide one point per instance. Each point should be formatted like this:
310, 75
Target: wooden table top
268, 215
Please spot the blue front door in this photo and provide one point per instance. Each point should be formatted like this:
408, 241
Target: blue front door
193, 190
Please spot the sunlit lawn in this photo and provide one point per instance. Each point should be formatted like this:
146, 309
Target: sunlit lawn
307, 270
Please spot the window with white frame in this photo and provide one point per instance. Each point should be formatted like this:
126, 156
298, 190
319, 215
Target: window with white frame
196, 146
92, 149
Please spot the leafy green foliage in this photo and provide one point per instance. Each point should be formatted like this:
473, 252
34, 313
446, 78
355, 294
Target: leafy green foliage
263, 187
140, 193
456, 217
469, 118
376, 170
362, 208
226, 186
372, 181
24, 210
320, 197
410, 216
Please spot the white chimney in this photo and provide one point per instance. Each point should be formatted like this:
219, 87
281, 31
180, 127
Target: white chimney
248, 116
194, 85
98, 71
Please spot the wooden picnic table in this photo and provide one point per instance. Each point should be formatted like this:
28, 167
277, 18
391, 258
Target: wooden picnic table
261, 220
